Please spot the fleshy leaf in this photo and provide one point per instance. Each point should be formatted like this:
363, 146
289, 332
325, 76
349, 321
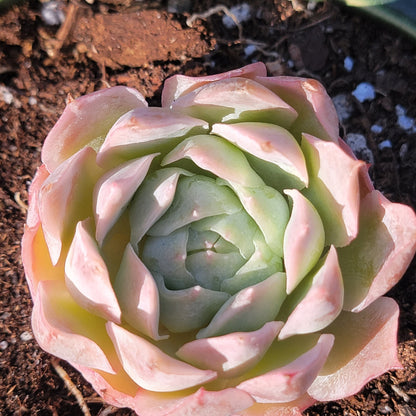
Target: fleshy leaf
178, 85
374, 262
138, 295
291, 381
322, 302
210, 268
86, 121
146, 130
262, 264
317, 114
268, 142
232, 354
293, 408
334, 188
188, 309
218, 156
269, 210
249, 309
151, 368
85, 272
235, 99
239, 229
65, 198
365, 347
113, 192
303, 241
196, 197
64, 329
166, 255
151, 201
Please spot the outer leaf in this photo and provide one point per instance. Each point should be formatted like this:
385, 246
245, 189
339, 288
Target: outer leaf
291, 381
86, 121
146, 130
138, 295
303, 241
267, 142
322, 302
179, 85
365, 347
65, 198
64, 329
85, 271
151, 368
235, 99
317, 114
375, 261
231, 354
334, 189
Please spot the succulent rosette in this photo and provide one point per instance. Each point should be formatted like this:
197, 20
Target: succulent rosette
223, 254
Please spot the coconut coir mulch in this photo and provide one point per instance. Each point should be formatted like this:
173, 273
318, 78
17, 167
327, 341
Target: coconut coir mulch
94, 45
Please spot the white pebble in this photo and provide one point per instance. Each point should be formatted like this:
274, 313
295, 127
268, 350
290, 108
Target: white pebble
26, 336
343, 106
242, 12
6, 95
3, 345
348, 63
249, 50
358, 144
385, 144
405, 122
32, 101
376, 128
364, 92
52, 13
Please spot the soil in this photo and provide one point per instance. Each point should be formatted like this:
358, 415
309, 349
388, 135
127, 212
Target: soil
99, 43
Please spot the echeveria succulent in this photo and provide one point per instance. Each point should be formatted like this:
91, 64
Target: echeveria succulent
224, 254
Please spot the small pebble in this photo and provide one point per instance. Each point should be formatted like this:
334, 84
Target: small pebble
348, 63
3, 345
404, 148
242, 12
405, 122
358, 144
364, 92
376, 128
385, 144
249, 50
26, 336
343, 106
6, 95
32, 101
52, 13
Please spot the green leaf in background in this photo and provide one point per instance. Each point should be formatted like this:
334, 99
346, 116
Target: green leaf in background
397, 13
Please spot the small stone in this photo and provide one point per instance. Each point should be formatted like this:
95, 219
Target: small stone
376, 129
52, 13
249, 50
348, 63
3, 345
358, 145
26, 336
405, 122
385, 144
32, 101
343, 106
364, 92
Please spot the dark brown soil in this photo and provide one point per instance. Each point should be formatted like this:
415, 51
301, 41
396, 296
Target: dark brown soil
96, 46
